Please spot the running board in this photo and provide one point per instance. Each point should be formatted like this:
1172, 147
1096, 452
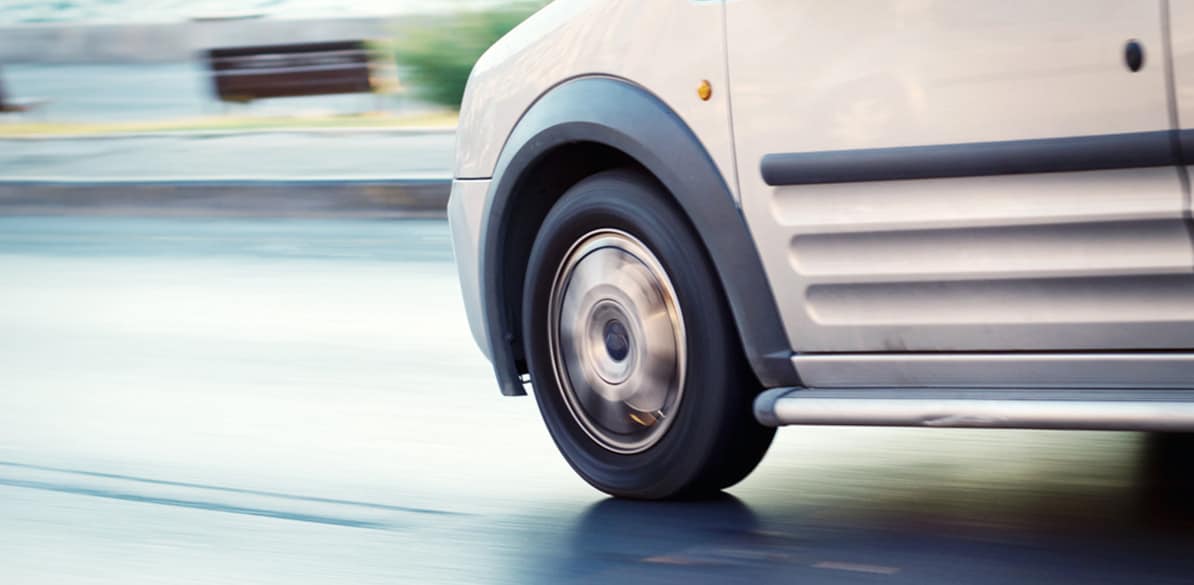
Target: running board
1095, 409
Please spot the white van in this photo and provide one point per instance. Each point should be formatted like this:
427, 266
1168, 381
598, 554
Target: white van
683, 223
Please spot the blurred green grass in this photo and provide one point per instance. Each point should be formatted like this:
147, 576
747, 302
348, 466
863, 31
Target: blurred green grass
437, 60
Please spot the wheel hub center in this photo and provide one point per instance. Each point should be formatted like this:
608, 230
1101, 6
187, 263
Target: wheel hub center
609, 341
617, 340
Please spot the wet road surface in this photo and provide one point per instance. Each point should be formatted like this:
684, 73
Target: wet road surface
246, 401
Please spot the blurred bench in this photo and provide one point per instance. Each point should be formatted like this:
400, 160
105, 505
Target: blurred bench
244, 74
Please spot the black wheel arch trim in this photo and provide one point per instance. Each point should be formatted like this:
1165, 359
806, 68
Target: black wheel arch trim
623, 116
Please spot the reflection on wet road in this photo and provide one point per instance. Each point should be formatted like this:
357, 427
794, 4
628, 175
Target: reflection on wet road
300, 402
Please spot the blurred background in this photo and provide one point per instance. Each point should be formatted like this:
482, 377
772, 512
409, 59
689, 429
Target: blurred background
233, 350
109, 65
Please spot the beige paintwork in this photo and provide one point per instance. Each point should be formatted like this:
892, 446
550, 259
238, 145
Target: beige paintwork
1068, 261
1181, 26
666, 46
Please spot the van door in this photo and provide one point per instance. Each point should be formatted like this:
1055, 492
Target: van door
963, 175
1181, 27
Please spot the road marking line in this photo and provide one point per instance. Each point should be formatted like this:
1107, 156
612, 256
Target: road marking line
857, 568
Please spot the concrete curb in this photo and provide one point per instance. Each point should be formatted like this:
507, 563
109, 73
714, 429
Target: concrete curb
412, 131
323, 198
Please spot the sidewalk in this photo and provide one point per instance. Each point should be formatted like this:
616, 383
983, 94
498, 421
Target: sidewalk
263, 155
350, 173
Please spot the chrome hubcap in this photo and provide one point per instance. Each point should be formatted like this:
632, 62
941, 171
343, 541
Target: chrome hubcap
617, 341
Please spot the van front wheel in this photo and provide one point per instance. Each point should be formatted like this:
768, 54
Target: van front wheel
634, 359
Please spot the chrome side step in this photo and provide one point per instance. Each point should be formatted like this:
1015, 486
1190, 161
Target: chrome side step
1095, 409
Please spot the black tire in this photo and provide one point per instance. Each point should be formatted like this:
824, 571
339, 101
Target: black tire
713, 440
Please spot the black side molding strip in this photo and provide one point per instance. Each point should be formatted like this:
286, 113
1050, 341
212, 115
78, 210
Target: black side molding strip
977, 159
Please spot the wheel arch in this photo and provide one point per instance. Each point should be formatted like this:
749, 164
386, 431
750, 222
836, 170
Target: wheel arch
587, 125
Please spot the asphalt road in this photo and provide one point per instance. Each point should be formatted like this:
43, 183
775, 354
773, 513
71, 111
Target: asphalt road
235, 401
